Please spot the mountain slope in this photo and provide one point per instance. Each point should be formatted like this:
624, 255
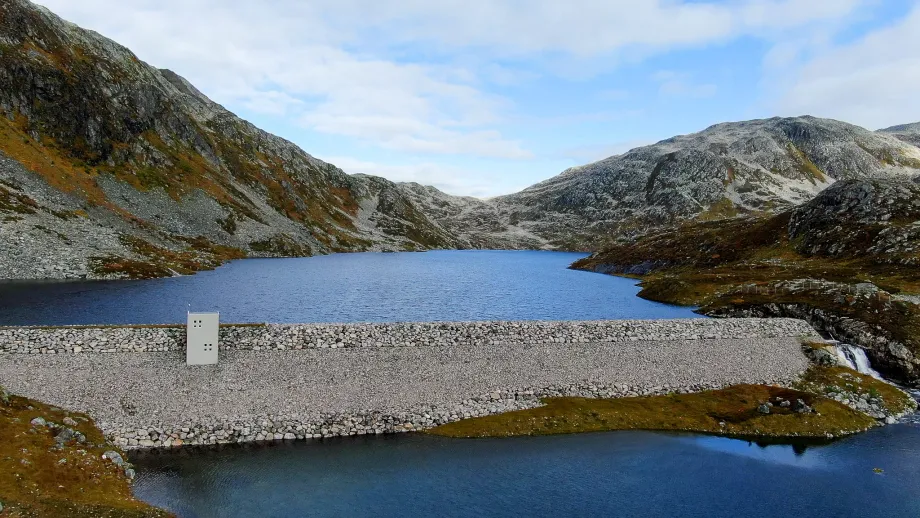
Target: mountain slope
110, 168
909, 133
726, 170
143, 163
847, 261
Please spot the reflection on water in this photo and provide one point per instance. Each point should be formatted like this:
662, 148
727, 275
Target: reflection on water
765, 451
605, 474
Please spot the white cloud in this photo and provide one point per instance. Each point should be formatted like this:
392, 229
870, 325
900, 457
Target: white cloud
452, 180
414, 76
679, 84
872, 82
282, 60
586, 27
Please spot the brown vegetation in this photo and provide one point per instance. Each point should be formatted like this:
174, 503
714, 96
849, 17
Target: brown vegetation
39, 480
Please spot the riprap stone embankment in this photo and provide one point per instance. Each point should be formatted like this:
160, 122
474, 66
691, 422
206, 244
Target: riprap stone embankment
108, 339
356, 379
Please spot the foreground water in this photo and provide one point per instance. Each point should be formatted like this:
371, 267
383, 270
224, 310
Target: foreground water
608, 474
366, 287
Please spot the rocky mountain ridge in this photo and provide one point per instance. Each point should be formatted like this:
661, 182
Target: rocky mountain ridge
728, 170
111, 168
909, 133
131, 165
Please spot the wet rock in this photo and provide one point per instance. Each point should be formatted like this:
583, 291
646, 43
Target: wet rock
764, 408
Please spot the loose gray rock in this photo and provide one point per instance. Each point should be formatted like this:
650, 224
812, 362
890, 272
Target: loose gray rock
438, 373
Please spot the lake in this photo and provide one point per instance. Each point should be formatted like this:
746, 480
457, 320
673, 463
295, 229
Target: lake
361, 287
605, 474
609, 474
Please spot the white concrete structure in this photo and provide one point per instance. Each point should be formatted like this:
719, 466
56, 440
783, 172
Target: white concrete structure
201, 338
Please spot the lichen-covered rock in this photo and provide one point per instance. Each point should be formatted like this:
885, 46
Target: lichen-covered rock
878, 219
726, 170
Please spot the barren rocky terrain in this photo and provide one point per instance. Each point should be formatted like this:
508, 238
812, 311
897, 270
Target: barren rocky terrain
112, 168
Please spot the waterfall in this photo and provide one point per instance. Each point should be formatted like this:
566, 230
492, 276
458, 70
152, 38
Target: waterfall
856, 359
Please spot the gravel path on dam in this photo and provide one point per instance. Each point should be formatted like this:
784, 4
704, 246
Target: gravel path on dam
138, 390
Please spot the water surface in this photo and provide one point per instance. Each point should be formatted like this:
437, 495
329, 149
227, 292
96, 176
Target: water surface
605, 474
363, 287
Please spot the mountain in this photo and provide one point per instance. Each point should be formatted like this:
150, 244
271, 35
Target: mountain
848, 261
111, 167
727, 170
909, 133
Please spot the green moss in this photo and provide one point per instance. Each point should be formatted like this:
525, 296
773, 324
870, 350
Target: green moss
130, 268
732, 411
16, 202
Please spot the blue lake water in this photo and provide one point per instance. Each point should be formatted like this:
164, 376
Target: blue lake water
610, 474
363, 287
627, 474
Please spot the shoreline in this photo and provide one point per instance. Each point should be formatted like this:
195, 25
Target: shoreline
91, 275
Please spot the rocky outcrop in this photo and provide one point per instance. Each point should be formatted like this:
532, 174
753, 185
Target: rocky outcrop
861, 218
726, 170
909, 133
888, 355
814, 262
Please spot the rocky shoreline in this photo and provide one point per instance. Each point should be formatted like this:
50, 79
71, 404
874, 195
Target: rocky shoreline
291, 427
112, 339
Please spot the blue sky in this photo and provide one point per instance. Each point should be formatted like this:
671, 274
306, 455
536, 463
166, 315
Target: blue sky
486, 97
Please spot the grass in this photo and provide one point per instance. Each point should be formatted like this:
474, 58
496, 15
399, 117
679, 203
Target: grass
731, 411
34, 482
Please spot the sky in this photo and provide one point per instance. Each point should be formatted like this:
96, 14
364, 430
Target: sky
486, 97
